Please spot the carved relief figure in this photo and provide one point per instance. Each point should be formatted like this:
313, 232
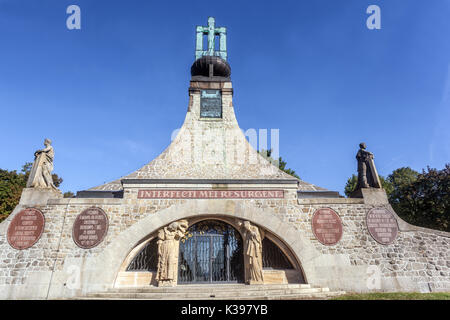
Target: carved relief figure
168, 238
367, 173
252, 253
41, 172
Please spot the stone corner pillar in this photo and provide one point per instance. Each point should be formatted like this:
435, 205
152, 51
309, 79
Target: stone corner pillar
38, 196
168, 249
371, 196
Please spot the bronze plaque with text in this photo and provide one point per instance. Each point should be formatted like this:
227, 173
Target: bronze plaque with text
90, 228
25, 228
382, 225
211, 104
327, 226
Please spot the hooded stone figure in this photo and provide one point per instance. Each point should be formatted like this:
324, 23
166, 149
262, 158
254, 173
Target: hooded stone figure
367, 173
168, 245
253, 237
41, 172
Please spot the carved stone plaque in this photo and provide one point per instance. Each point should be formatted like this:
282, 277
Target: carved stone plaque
211, 104
327, 226
90, 228
382, 225
210, 194
25, 228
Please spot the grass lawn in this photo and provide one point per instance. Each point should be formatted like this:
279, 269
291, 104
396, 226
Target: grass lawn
395, 296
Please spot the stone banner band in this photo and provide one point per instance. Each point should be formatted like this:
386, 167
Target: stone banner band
211, 194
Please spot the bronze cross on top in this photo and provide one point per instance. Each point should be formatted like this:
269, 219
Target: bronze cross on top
212, 32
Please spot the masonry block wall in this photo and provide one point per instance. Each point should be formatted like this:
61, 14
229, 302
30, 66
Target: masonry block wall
418, 260
55, 267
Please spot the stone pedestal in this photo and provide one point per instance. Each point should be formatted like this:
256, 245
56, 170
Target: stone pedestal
373, 196
253, 282
166, 283
38, 196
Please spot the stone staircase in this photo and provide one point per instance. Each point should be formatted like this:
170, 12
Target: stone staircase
218, 292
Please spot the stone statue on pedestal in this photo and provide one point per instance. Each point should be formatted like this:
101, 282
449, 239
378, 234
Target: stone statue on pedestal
41, 172
168, 246
252, 253
367, 173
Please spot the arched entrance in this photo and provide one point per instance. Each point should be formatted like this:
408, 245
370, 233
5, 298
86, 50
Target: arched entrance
280, 265
211, 252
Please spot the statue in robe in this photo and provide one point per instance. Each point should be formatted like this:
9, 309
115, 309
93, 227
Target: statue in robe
41, 172
367, 173
252, 253
168, 246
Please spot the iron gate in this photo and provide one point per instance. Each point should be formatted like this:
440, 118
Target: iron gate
210, 252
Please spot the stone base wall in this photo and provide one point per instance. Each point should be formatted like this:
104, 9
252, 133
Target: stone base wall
55, 267
418, 260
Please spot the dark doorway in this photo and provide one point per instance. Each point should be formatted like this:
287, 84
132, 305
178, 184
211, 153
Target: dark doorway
210, 252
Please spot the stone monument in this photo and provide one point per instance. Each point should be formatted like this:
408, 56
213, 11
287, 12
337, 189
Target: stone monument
168, 239
249, 222
41, 172
40, 186
368, 185
367, 173
252, 253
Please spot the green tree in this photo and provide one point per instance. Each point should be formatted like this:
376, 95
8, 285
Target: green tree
402, 176
425, 201
400, 179
69, 194
280, 163
11, 185
350, 186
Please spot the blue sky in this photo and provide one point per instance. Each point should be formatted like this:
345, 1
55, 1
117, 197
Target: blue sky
110, 95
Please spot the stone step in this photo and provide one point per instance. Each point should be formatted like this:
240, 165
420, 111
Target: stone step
210, 288
221, 290
295, 296
217, 294
320, 295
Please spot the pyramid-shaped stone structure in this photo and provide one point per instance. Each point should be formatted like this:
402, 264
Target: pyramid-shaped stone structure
209, 149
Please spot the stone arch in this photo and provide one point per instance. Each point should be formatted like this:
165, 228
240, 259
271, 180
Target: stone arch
225, 271
231, 220
111, 259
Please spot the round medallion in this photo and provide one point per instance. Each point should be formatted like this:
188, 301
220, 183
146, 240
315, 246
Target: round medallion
327, 226
25, 228
90, 228
382, 225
